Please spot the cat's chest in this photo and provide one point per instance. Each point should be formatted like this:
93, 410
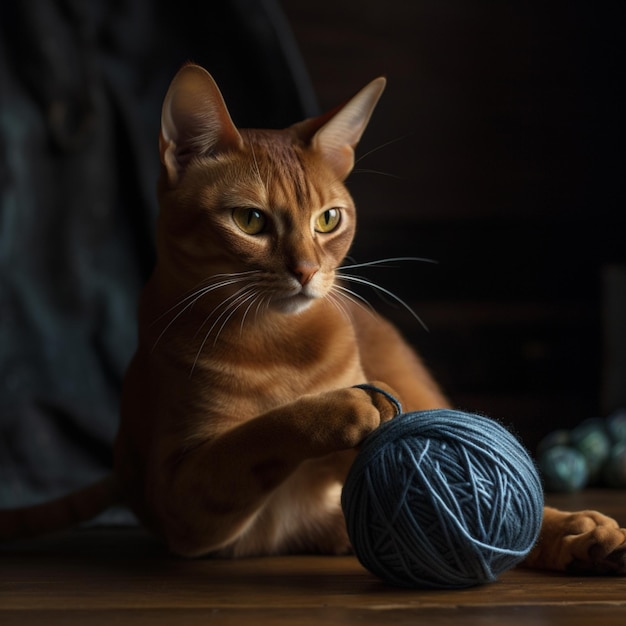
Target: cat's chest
246, 382
262, 382
255, 368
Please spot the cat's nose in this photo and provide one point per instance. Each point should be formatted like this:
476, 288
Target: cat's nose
304, 272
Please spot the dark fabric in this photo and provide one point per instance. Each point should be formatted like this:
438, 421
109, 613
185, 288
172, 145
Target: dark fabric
81, 85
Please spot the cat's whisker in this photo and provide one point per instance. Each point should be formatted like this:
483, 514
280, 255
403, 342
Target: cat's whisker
382, 262
336, 301
383, 145
265, 302
258, 300
257, 169
232, 278
369, 283
354, 297
256, 311
245, 313
379, 172
192, 298
236, 306
237, 300
189, 305
376, 149
224, 306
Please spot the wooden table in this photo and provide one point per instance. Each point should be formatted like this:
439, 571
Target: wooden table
124, 576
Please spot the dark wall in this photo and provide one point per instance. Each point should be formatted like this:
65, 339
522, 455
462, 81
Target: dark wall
81, 87
506, 164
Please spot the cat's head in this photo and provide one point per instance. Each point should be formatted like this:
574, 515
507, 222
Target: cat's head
262, 207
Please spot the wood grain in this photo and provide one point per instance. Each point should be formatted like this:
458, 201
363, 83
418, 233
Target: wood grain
124, 576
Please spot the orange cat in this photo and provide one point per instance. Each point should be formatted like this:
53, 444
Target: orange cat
239, 416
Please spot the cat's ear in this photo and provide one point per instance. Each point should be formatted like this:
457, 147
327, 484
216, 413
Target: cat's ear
336, 134
194, 121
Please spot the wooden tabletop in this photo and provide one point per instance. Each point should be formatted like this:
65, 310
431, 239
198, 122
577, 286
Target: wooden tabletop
124, 576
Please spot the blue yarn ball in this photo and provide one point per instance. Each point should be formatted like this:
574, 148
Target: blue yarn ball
590, 437
551, 440
616, 426
564, 469
442, 499
615, 467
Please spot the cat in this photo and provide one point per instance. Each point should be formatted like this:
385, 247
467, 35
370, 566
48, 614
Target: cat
239, 414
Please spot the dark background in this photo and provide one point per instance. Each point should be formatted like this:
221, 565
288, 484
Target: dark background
81, 88
507, 166
498, 148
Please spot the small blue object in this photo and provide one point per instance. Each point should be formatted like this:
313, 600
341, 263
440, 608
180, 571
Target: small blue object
442, 499
615, 467
592, 439
555, 438
616, 426
564, 469
592, 453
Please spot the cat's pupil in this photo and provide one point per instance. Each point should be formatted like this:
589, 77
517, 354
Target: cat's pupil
328, 221
250, 221
253, 216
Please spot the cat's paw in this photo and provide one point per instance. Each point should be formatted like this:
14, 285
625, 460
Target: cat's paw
383, 401
585, 542
355, 412
360, 416
343, 418
597, 544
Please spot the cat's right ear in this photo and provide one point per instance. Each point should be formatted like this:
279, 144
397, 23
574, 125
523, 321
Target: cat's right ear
194, 121
336, 134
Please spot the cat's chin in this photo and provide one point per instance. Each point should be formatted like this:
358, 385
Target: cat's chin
292, 304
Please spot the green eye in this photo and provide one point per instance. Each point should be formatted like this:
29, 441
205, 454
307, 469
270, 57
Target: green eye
251, 221
327, 221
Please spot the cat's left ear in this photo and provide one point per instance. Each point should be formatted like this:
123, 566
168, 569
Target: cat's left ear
336, 134
194, 121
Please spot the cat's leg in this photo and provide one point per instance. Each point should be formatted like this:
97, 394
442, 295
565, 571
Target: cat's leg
212, 495
584, 542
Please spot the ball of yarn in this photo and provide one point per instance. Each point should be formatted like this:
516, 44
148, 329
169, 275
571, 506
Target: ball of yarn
551, 440
592, 453
592, 439
616, 426
563, 469
615, 466
442, 499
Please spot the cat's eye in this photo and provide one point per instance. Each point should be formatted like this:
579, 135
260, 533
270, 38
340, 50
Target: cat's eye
327, 221
251, 221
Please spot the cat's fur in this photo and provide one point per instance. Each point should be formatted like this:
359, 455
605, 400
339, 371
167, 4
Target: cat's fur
239, 415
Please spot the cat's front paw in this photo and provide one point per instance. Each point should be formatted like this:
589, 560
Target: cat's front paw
597, 544
384, 398
355, 412
584, 542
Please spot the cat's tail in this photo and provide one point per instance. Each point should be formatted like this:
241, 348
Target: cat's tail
65, 512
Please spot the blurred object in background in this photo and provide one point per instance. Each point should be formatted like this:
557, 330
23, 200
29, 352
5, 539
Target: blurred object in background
81, 88
614, 324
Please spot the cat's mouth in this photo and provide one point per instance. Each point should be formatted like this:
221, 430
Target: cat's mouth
294, 302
